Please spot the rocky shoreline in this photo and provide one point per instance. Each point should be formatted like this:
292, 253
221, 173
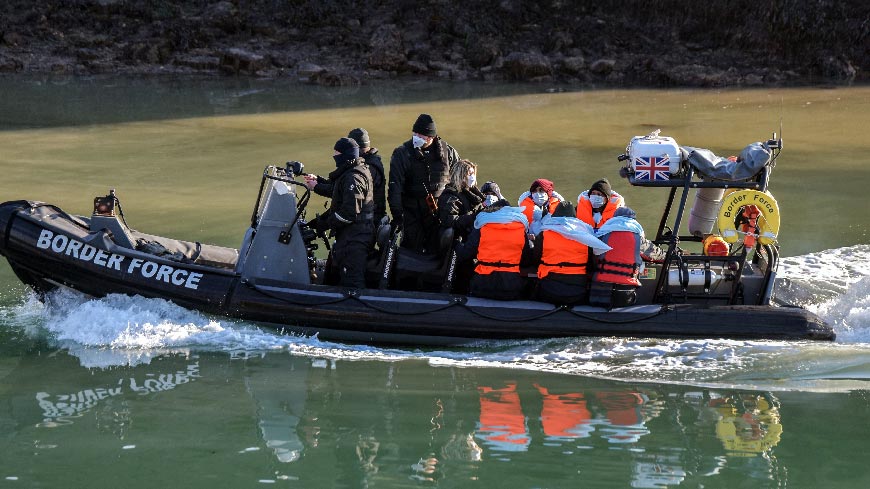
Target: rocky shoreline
653, 43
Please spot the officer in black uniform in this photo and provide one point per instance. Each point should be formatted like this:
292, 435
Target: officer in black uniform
351, 213
323, 186
419, 171
376, 168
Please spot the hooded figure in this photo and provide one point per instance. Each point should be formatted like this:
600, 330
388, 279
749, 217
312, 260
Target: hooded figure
596, 205
419, 171
351, 213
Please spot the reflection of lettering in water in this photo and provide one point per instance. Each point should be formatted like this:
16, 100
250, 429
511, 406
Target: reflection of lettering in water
58, 409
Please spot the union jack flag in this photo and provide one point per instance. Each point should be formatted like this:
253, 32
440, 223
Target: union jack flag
652, 168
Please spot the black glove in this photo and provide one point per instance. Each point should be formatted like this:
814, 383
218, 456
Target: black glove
320, 224
397, 222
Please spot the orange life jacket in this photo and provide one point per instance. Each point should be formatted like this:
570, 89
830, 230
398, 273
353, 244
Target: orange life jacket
622, 408
501, 247
562, 255
621, 264
584, 209
528, 206
502, 421
565, 415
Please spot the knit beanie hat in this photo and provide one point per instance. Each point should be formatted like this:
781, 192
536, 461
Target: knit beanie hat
348, 150
491, 187
361, 136
564, 209
425, 125
602, 186
544, 184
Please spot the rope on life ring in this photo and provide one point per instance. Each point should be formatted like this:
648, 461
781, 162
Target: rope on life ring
733, 203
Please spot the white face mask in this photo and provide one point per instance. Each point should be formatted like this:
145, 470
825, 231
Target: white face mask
417, 141
540, 198
489, 200
597, 201
472, 179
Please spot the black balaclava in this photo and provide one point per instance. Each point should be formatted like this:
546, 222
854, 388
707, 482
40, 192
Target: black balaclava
348, 151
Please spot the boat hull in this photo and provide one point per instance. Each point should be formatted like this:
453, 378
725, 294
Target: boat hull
47, 248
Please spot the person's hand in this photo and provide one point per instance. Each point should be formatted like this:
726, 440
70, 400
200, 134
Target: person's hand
310, 181
397, 223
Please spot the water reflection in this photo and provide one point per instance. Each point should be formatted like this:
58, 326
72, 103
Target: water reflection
393, 423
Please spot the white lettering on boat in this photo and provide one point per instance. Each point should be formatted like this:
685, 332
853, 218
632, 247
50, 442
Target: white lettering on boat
64, 245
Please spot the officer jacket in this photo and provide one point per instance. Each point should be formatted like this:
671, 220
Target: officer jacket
325, 186
351, 195
379, 197
413, 172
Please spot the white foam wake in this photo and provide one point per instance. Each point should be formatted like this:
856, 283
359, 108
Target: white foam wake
834, 284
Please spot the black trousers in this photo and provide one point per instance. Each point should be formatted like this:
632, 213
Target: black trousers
350, 253
561, 289
420, 228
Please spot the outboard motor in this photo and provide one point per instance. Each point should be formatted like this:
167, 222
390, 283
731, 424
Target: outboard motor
274, 249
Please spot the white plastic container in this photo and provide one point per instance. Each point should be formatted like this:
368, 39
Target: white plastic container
705, 210
654, 157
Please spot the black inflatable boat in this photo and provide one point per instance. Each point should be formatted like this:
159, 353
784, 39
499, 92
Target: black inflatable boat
275, 279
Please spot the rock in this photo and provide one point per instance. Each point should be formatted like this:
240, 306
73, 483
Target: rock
235, 60
13, 39
308, 69
524, 66
482, 53
416, 67
753, 80
222, 15
442, 66
602, 66
387, 49
283, 59
198, 62
335, 79
10, 65
838, 68
574, 64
